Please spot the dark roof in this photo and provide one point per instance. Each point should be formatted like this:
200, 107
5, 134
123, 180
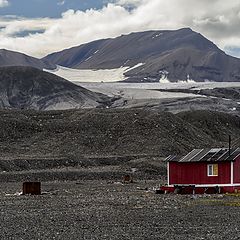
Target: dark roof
207, 155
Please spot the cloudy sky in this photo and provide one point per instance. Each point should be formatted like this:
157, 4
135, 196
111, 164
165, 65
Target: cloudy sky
39, 27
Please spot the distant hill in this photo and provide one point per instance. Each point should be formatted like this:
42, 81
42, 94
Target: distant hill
167, 55
87, 137
10, 58
31, 88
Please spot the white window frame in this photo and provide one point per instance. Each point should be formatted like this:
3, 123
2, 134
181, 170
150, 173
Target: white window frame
208, 170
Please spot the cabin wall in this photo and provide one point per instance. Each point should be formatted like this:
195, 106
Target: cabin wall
196, 173
236, 171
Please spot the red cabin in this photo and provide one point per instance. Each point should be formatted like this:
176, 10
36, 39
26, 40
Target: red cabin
205, 171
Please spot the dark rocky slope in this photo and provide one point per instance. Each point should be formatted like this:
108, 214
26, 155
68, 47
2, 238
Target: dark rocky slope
30, 88
106, 137
11, 58
177, 55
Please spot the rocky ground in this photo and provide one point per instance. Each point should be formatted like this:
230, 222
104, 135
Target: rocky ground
104, 143
81, 156
111, 210
110, 133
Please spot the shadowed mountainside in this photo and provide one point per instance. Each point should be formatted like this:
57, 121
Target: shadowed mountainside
11, 58
30, 88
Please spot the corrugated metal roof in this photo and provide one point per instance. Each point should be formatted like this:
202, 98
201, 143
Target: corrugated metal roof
207, 155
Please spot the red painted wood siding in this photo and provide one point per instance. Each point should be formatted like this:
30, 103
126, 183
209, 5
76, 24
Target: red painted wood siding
196, 173
236, 171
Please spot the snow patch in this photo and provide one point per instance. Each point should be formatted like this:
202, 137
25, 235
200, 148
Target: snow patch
86, 75
136, 66
157, 35
188, 80
91, 56
148, 91
164, 76
164, 79
126, 63
135, 91
92, 75
88, 58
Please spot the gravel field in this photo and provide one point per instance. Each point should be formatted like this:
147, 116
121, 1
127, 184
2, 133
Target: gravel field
80, 157
107, 210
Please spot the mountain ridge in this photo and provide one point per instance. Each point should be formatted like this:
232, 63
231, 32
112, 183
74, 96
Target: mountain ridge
10, 58
172, 55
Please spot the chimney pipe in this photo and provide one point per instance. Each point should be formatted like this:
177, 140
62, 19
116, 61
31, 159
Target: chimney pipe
229, 145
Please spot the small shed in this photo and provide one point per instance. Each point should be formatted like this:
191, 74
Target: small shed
204, 169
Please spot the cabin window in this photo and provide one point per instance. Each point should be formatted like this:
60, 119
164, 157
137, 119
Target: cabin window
212, 169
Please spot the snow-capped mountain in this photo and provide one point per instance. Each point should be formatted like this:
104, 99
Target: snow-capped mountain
153, 56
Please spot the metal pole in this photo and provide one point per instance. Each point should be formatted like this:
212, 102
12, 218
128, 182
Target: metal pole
229, 145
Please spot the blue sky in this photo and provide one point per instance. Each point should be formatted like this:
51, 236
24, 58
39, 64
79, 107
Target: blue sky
47, 8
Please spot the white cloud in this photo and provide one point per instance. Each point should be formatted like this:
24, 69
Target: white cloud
129, 2
3, 3
61, 3
217, 20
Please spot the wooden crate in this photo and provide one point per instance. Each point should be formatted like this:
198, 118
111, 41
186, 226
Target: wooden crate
32, 188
